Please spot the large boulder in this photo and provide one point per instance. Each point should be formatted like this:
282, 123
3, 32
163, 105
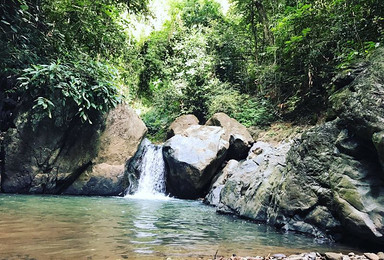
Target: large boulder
74, 158
332, 185
41, 157
193, 158
240, 140
181, 124
248, 190
118, 142
331, 182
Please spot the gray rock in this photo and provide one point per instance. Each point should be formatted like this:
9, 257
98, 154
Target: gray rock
247, 191
44, 158
240, 140
76, 158
331, 181
279, 256
193, 159
330, 195
213, 197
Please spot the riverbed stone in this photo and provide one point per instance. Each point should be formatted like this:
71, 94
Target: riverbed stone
193, 158
371, 256
333, 256
240, 140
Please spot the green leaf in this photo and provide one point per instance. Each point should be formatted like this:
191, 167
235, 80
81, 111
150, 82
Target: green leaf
24, 7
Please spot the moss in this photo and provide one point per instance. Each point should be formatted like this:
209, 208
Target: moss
338, 99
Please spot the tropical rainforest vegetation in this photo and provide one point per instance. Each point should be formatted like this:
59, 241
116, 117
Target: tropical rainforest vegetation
257, 60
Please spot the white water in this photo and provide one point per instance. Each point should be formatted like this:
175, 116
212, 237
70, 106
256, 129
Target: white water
152, 175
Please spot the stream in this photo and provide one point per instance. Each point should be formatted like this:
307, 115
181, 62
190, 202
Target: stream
69, 227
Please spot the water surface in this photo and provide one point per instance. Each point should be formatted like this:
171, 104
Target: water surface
65, 227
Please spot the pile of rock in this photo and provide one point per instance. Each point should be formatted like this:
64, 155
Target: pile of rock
195, 153
310, 256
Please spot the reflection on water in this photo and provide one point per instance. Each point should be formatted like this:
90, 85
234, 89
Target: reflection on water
53, 227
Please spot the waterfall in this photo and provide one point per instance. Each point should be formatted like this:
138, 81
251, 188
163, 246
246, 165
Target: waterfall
151, 184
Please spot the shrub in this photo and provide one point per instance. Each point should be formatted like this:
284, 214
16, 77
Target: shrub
86, 87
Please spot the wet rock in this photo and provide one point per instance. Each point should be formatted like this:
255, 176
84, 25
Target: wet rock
133, 167
240, 140
331, 181
378, 141
328, 195
181, 124
193, 159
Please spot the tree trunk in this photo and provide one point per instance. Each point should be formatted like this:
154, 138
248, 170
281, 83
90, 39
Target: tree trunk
263, 17
254, 31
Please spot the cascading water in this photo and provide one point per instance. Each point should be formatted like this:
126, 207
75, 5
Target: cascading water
151, 183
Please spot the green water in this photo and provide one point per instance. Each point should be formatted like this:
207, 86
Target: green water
63, 227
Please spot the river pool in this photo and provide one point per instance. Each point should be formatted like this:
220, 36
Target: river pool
66, 227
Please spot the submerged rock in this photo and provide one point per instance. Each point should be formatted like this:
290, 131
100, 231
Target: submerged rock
193, 158
240, 140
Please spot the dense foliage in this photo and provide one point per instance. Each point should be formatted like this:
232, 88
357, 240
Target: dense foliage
300, 45
63, 52
199, 63
259, 61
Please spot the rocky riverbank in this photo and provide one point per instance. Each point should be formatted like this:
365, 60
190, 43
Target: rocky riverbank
308, 256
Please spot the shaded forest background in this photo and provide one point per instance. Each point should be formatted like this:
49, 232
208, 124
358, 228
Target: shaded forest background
259, 61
